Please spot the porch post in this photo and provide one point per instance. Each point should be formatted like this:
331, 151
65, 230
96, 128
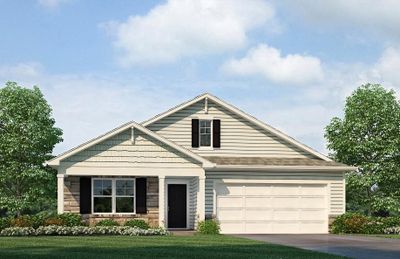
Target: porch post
201, 198
60, 193
161, 201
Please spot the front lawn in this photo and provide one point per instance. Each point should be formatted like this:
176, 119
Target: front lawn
146, 247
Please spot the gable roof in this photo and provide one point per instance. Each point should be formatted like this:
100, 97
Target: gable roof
56, 161
242, 114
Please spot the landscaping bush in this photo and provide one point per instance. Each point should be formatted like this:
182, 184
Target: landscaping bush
106, 223
209, 227
70, 219
392, 230
359, 224
22, 221
4, 223
137, 223
53, 222
82, 230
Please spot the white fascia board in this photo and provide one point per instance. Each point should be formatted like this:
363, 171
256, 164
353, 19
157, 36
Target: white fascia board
242, 114
55, 162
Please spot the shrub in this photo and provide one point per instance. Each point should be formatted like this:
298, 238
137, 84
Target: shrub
350, 223
209, 226
18, 231
139, 223
107, 223
357, 223
70, 219
53, 221
21, 221
392, 230
4, 223
82, 230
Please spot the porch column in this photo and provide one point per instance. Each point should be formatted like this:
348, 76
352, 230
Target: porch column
201, 198
60, 193
161, 201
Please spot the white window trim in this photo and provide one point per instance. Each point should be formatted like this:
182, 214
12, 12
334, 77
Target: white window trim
210, 147
114, 196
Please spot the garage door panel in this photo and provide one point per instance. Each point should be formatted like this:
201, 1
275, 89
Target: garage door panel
258, 202
312, 214
254, 214
285, 189
256, 190
230, 202
286, 215
285, 202
312, 227
312, 202
284, 227
272, 208
230, 190
231, 214
312, 190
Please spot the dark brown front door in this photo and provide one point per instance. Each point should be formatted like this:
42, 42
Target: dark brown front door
177, 205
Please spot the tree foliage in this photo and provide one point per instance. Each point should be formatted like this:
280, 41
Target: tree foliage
369, 137
27, 139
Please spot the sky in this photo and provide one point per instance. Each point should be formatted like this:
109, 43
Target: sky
291, 64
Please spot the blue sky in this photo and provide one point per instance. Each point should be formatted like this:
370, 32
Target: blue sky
289, 63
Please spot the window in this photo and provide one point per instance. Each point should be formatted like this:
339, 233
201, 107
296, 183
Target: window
113, 196
102, 196
125, 202
205, 133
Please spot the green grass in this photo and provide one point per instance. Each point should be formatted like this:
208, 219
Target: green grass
199, 246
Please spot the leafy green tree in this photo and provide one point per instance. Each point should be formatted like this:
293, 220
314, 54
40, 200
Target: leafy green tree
27, 139
369, 137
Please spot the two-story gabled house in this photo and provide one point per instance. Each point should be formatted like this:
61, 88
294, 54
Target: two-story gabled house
202, 159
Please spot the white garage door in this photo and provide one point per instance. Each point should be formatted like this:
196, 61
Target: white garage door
272, 208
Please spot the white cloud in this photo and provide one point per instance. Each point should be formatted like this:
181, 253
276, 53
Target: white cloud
388, 66
381, 16
272, 65
86, 106
184, 28
51, 4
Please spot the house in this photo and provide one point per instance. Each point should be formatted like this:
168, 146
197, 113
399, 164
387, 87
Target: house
202, 159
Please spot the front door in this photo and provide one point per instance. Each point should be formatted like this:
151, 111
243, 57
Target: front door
177, 205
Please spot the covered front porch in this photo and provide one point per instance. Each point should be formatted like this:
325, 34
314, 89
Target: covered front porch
172, 201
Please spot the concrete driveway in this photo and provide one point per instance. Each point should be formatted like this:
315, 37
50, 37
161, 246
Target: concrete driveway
350, 246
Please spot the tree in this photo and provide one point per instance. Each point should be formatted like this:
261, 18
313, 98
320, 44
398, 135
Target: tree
369, 137
27, 139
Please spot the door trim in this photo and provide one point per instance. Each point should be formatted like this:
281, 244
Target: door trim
177, 181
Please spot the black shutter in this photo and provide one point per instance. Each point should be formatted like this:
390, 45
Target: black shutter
141, 193
195, 133
216, 133
85, 199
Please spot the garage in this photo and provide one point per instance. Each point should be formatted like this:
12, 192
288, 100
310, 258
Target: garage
272, 208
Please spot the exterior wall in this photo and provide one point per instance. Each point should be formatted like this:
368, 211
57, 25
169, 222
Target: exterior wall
335, 182
71, 202
238, 136
119, 152
71, 194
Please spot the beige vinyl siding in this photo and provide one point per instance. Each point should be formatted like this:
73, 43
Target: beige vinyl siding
119, 151
334, 181
239, 137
